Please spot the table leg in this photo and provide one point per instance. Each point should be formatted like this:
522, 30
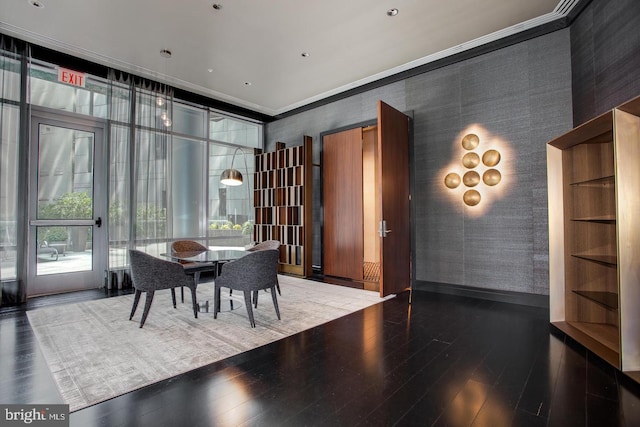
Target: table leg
225, 304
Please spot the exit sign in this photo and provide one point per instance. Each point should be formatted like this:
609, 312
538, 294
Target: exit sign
71, 77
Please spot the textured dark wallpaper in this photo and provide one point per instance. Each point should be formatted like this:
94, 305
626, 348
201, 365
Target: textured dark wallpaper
520, 94
525, 95
605, 57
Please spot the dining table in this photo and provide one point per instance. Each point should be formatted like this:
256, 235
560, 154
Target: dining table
195, 262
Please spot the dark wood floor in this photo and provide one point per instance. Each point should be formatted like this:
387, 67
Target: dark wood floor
444, 360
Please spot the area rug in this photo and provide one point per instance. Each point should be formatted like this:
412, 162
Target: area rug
95, 353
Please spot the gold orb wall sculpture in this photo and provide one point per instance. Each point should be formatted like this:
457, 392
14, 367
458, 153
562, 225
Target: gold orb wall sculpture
471, 179
452, 180
471, 197
491, 158
470, 160
482, 172
470, 141
491, 177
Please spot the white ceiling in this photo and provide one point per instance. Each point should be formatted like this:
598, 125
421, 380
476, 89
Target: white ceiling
350, 42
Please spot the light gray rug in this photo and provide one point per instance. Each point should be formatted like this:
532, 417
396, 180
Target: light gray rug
95, 353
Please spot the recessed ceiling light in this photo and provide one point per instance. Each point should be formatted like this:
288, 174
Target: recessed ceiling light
305, 54
165, 53
392, 12
217, 6
247, 83
210, 70
36, 3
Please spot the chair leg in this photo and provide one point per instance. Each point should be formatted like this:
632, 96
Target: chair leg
247, 301
278, 288
173, 297
255, 298
147, 306
136, 299
182, 293
218, 271
194, 302
216, 301
275, 302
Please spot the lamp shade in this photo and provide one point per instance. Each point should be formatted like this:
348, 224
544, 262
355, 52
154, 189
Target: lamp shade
231, 177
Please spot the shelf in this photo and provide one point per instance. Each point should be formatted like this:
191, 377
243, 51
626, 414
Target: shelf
605, 259
607, 299
600, 338
594, 131
604, 333
593, 240
597, 218
602, 181
283, 199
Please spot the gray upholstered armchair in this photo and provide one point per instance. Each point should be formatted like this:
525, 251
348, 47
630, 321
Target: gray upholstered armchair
251, 273
265, 246
191, 268
150, 274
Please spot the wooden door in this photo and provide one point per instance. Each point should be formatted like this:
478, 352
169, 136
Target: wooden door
393, 161
343, 241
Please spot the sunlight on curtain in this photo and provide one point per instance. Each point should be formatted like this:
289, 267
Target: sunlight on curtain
151, 164
9, 136
119, 203
164, 175
138, 169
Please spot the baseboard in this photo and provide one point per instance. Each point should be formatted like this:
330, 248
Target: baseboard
511, 297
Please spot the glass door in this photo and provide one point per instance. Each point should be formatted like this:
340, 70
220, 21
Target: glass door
67, 247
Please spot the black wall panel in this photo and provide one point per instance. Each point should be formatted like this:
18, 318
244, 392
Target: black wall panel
605, 57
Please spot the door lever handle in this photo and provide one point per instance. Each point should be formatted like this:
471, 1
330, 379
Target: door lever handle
382, 230
99, 222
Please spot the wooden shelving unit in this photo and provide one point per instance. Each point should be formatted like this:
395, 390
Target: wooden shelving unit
264, 200
594, 242
282, 200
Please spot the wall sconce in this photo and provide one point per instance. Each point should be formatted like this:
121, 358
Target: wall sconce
476, 169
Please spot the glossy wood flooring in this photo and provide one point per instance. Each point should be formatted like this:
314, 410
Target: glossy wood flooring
444, 360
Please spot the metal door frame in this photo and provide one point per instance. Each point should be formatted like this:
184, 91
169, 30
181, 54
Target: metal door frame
73, 281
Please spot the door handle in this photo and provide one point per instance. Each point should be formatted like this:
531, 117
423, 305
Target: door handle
382, 230
99, 222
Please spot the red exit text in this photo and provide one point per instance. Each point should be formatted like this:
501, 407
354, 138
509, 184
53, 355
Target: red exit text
71, 77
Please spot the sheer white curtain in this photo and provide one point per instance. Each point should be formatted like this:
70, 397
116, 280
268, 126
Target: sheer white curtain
139, 181
10, 79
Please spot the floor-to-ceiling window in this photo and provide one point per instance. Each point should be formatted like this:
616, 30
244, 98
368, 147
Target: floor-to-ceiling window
164, 160
167, 183
10, 78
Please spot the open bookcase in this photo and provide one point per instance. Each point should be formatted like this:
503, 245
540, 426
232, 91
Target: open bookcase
594, 235
282, 200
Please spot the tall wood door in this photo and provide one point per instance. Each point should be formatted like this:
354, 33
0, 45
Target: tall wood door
343, 241
393, 166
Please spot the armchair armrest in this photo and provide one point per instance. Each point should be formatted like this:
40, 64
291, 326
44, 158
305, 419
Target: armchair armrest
151, 273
